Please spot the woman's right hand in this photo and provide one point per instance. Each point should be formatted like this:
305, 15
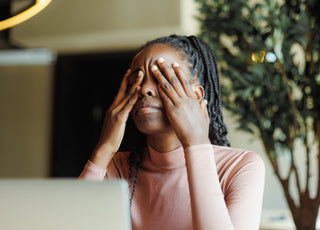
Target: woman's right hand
115, 119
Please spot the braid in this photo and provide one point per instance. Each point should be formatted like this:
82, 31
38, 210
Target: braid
211, 83
203, 64
134, 162
135, 141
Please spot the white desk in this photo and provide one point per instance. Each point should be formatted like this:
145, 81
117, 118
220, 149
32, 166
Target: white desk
278, 220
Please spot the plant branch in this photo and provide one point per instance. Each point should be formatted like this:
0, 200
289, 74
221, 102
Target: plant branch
318, 137
306, 144
296, 174
309, 46
273, 162
293, 168
290, 97
309, 58
285, 186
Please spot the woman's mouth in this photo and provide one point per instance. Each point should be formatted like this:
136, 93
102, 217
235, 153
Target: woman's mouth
146, 108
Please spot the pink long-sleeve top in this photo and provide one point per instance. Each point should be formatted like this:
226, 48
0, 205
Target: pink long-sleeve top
202, 187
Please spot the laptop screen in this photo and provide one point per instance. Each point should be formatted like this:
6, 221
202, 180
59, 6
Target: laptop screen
64, 204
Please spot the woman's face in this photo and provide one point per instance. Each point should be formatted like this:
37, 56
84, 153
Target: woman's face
148, 112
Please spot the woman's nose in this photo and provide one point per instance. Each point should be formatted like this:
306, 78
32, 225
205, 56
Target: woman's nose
148, 87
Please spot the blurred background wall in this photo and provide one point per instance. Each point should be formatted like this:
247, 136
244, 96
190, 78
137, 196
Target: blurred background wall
25, 120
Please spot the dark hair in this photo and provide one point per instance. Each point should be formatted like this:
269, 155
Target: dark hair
202, 64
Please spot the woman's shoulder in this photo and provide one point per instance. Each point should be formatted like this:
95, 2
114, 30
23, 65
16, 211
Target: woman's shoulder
120, 159
236, 166
118, 167
120, 156
236, 156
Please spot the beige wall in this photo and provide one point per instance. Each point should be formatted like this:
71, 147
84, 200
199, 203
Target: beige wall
25, 120
100, 25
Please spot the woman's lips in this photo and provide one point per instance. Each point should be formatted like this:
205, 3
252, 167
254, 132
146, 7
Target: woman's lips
147, 110
146, 107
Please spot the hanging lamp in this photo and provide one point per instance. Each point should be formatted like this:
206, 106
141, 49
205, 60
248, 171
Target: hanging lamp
24, 15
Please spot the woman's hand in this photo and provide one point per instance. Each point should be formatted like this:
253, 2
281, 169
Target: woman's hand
186, 113
115, 120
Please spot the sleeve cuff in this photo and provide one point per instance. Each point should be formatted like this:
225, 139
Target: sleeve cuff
197, 148
92, 171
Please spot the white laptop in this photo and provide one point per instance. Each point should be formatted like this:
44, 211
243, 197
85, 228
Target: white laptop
64, 204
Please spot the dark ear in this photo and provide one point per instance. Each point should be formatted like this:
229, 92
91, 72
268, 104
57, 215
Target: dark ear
199, 91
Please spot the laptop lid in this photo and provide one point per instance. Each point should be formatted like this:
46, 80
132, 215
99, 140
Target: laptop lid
64, 204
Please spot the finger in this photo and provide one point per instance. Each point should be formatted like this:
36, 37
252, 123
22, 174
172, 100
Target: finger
184, 80
170, 75
133, 84
124, 91
128, 99
203, 105
123, 87
128, 105
165, 84
129, 94
167, 103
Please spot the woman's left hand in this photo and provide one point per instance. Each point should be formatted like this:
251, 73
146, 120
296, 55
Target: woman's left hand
186, 113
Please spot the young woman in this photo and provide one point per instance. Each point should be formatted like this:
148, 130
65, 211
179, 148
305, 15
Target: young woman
181, 172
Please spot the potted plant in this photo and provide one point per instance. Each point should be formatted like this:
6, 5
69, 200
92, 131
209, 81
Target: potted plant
269, 58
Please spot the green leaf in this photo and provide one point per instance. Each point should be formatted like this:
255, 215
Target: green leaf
258, 92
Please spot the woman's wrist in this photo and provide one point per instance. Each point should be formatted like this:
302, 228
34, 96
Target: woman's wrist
194, 142
102, 155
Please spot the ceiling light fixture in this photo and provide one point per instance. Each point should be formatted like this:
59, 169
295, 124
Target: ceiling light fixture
25, 15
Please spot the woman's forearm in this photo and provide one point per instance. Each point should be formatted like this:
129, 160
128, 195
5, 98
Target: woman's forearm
102, 155
207, 201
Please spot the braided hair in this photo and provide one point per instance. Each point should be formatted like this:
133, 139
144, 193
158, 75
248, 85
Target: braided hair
203, 65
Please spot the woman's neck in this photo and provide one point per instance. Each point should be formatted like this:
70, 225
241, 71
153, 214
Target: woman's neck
163, 142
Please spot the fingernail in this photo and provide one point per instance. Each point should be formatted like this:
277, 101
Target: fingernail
175, 64
161, 60
140, 74
154, 68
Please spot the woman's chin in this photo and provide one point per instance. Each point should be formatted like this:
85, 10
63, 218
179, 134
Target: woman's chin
149, 127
